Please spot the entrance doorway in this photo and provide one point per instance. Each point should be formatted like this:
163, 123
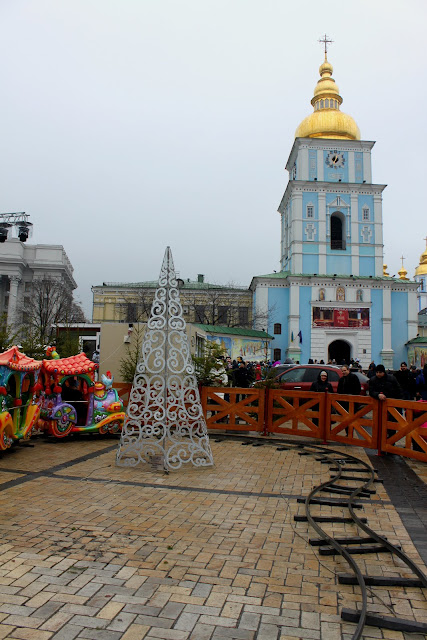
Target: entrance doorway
339, 350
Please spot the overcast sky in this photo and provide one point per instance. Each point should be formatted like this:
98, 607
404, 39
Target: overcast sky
129, 125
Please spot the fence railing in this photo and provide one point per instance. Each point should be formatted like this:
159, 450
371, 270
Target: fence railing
391, 426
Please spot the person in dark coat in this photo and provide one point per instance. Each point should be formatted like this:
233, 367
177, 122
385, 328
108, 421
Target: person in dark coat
321, 384
349, 383
406, 381
421, 383
384, 385
371, 370
242, 376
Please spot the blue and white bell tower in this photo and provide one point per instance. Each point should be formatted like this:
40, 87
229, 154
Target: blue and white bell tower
331, 213
331, 299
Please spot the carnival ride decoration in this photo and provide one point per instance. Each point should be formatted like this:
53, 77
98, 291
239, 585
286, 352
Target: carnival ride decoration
52, 353
71, 401
19, 408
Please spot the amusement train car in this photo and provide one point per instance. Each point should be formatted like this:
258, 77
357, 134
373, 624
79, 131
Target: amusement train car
19, 409
72, 402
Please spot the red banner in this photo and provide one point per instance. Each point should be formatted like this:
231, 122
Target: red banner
340, 317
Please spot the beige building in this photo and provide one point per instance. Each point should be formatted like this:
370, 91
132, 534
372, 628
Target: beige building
120, 341
201, 301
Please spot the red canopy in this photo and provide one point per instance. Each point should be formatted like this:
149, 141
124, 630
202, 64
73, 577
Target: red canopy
14, 359
73, 365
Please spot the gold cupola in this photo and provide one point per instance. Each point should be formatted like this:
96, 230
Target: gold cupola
327, 121
402, 271
421, 270
385, 273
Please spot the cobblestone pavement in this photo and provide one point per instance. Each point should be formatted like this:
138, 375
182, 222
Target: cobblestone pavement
89, 550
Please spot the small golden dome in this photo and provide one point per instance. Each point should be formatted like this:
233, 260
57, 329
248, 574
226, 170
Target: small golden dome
403, 273
327, 121
421, 270
387, 275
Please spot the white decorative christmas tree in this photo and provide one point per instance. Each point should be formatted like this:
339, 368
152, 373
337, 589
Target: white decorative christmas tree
164, 416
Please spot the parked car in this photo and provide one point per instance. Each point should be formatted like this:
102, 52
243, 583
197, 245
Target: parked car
301, 377
273, 372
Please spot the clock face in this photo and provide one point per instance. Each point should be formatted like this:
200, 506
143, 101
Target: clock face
335, 159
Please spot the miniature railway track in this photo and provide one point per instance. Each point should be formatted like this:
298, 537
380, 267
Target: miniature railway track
346, 468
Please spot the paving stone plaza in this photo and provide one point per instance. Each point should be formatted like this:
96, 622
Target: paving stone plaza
90, 550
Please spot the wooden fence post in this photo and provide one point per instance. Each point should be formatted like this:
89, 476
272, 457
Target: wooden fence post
266, 411
380, 426
324, 418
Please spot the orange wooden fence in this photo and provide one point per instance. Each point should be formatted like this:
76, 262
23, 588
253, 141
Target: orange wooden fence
401, 428
233, 409
392, 426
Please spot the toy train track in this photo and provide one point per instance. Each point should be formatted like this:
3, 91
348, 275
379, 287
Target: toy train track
346, 469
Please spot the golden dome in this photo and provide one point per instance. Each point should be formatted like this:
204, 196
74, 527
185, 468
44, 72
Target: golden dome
421, 270
387, 275
327, 121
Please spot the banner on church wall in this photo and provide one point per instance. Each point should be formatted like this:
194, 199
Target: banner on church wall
340, 318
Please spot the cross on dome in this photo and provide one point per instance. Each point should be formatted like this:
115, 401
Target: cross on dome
325, 40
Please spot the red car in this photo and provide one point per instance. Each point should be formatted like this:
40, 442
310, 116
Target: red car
301, 377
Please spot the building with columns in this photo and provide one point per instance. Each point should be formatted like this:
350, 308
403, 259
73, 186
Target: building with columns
332, 298
20, 265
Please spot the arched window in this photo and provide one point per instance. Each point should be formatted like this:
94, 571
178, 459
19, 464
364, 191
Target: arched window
277, 354
359, 295
277, 329
337, 232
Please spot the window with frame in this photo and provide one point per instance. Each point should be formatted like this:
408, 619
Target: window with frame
223, 314
277, 354
310, 211
277, 329
243, 315
199, 313
365, 213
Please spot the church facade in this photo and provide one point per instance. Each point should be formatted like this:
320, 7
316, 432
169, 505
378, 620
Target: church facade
332, 298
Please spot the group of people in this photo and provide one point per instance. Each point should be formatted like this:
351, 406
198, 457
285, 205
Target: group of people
406, 383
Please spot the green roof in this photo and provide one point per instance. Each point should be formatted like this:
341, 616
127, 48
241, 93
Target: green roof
286, 274
235, 331
418, 340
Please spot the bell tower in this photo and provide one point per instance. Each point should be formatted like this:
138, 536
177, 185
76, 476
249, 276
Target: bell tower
331, 212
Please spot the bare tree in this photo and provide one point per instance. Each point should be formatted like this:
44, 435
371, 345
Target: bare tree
49, 303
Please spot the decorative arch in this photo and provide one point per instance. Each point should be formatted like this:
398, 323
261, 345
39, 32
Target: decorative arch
340, 351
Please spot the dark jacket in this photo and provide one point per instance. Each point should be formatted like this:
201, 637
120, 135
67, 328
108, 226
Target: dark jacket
349, 385
406, 381
242, 377
387, 384
421, 383
321, 386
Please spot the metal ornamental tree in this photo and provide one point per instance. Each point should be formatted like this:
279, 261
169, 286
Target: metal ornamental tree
164, 415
